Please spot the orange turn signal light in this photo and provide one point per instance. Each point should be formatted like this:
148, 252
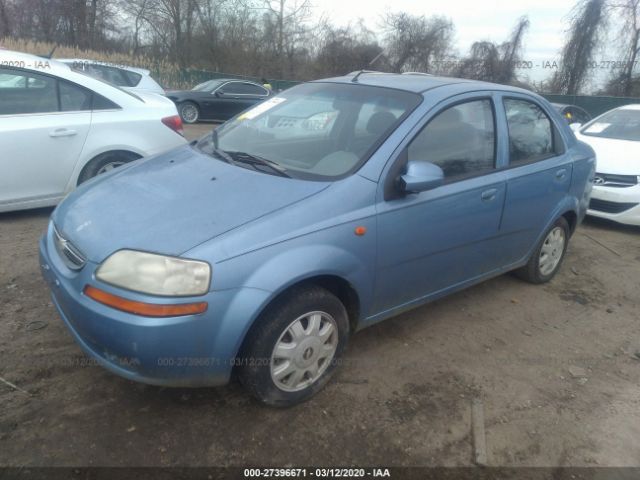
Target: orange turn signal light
142, 308
360, 230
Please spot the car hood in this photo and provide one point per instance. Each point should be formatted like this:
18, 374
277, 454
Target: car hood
171, 203
617, 157
181, 93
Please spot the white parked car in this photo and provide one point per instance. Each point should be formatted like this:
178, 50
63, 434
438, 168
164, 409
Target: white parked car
615, 137
127, 78
58, 128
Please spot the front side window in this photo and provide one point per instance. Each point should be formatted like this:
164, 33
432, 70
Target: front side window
530, 132
207, 86
317, 131
460, 140
26, 92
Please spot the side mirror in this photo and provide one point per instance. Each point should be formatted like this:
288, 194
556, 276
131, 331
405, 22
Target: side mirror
421, 176
218, 93
575, 127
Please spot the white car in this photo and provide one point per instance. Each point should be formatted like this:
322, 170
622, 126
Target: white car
615, 137
58, 128
128, 78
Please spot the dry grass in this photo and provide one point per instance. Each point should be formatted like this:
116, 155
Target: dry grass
167, 74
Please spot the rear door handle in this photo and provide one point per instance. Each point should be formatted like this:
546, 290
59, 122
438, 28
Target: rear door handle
62, 132
489, 195
560, 174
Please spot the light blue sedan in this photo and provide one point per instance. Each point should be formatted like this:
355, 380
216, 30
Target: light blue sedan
259, 249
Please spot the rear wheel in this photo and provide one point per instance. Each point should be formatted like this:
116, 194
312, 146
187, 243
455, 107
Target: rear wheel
293, 350
189, 112
105, 163
549, 254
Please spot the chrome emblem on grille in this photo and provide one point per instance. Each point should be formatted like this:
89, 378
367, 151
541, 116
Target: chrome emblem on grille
598, 181
69, 254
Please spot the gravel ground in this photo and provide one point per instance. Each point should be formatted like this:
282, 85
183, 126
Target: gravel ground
556, 367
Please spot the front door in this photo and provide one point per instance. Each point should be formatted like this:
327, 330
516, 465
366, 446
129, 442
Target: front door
442, 238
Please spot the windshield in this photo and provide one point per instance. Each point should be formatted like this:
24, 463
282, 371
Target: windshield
206, 86
318, 131
621, 124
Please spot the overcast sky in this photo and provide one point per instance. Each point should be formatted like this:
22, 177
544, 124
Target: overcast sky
473, 19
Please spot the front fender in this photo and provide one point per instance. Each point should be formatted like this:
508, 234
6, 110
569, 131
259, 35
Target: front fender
333, 251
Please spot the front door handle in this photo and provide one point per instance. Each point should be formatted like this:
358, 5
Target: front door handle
560, 174
62, 132
489, 195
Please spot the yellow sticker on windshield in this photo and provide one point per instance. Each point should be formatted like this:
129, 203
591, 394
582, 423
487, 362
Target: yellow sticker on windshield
261, 108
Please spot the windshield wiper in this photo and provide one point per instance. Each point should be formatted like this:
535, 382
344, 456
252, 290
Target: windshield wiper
254, 160
221, 154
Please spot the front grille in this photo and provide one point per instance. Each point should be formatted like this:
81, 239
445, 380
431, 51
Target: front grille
617, 181
609, 207
70, 255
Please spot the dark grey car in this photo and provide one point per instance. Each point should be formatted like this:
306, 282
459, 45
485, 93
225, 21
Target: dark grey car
217, 100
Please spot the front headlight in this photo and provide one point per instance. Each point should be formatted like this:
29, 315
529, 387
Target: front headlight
155, 274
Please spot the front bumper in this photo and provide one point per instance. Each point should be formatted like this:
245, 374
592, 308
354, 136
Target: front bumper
194, 350
620, 204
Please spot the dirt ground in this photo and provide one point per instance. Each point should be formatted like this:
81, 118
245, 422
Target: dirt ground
557, 368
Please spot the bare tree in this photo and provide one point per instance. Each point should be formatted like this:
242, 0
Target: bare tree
415, 42
345, 49
629, 10
5, 24
588, 21
496, 63
289, 16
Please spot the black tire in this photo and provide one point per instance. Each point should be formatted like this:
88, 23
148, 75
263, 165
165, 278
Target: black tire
255, 359
104, 160
532, 272
189, 107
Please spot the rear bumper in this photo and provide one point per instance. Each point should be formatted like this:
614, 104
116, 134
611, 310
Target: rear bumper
621, 205
194, 350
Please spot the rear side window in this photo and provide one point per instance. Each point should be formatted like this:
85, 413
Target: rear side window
74, 98
460, 140
26, 92
530, 132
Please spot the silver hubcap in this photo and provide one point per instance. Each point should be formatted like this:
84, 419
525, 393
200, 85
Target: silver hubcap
551, 251
110, 166
189, 113
304, 351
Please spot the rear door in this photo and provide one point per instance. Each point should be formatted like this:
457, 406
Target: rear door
538, 173
442, 238
43, 126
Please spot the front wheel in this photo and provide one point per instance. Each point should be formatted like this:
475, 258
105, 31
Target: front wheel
293, 350
548, 255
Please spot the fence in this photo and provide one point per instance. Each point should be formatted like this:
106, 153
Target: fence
188, 78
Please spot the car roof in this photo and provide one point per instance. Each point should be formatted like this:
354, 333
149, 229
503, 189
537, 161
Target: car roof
416, 83
142, 71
